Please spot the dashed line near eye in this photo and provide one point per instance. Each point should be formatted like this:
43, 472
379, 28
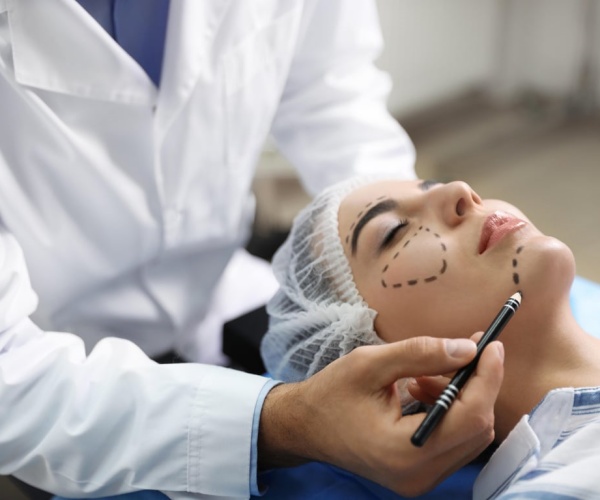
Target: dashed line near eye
414, 281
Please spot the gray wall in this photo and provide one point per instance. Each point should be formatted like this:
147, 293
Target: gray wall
436, 49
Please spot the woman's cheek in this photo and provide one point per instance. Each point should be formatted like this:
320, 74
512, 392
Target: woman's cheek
420, 259
406, 286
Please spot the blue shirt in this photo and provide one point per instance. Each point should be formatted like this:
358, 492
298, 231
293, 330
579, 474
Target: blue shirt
551, 453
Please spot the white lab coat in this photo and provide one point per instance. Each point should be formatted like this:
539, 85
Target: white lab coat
128, 203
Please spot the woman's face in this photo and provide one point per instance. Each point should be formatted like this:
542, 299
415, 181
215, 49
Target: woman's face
435, 259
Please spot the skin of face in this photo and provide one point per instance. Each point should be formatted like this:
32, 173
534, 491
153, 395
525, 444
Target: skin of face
416, 253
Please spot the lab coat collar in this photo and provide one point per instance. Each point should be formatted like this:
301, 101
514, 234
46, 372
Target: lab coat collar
57, 46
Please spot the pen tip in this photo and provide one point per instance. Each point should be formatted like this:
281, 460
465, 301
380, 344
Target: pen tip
517, 296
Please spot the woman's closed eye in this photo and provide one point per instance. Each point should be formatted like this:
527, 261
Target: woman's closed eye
390, 235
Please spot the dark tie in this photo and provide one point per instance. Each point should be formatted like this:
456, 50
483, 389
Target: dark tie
139, 26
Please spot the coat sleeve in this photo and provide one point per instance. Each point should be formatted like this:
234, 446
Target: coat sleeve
332, 121
113, 421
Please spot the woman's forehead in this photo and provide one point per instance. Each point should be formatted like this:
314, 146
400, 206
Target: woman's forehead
369, 194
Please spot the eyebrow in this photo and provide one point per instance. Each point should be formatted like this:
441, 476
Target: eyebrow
378, 209
382, 207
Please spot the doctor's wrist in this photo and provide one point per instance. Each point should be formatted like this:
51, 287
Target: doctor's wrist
283, 438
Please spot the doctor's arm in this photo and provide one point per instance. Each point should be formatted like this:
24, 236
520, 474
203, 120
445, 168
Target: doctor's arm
332, 121
113, 421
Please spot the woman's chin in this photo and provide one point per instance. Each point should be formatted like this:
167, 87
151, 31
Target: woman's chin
546, 268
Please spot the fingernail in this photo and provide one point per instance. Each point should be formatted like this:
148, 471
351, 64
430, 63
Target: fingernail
501, 350
459, 348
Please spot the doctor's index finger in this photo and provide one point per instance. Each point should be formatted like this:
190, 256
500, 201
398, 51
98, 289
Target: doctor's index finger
471, 416
484, 385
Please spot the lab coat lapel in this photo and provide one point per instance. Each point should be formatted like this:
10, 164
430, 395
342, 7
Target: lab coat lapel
189, 53
58, 47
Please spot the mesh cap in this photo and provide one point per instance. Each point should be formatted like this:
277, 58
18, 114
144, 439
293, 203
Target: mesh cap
317, 315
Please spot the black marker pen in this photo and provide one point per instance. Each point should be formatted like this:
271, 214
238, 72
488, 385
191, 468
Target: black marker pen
441, 406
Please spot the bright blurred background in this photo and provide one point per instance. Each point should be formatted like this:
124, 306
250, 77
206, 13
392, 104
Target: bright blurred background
501, 93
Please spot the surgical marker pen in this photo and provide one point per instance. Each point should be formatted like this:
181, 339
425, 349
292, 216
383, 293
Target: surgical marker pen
441, 406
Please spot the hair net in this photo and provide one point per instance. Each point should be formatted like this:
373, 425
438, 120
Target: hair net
317, 315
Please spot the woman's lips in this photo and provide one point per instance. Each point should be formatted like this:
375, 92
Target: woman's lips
496, 227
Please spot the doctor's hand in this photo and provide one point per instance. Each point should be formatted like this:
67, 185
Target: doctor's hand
349, 414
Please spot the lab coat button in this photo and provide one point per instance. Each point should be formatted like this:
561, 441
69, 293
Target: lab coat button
172, 223
172, 217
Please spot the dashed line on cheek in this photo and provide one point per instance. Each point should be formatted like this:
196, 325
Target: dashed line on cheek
515, 263
415, 281
444, 266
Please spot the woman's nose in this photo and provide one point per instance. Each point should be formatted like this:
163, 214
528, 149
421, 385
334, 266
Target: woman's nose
457, 200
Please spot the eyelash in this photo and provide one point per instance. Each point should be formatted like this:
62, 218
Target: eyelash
389, 237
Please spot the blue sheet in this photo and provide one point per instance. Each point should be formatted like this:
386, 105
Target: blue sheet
323, 482
317, 481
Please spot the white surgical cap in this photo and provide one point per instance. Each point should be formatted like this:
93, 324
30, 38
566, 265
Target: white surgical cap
317, 315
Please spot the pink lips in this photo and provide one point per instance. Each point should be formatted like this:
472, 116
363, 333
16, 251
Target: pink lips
496, 227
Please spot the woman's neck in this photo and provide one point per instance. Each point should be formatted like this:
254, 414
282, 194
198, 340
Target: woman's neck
542, 355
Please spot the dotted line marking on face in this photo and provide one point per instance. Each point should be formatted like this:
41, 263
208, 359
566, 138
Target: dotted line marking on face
414, 281
515, 264
359, 215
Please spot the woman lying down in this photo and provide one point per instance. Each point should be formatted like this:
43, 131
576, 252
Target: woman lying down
379, 261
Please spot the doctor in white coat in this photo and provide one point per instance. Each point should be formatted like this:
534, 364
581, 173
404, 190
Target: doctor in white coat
125, 178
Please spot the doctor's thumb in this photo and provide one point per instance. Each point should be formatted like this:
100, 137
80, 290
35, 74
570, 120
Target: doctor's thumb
423, 356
